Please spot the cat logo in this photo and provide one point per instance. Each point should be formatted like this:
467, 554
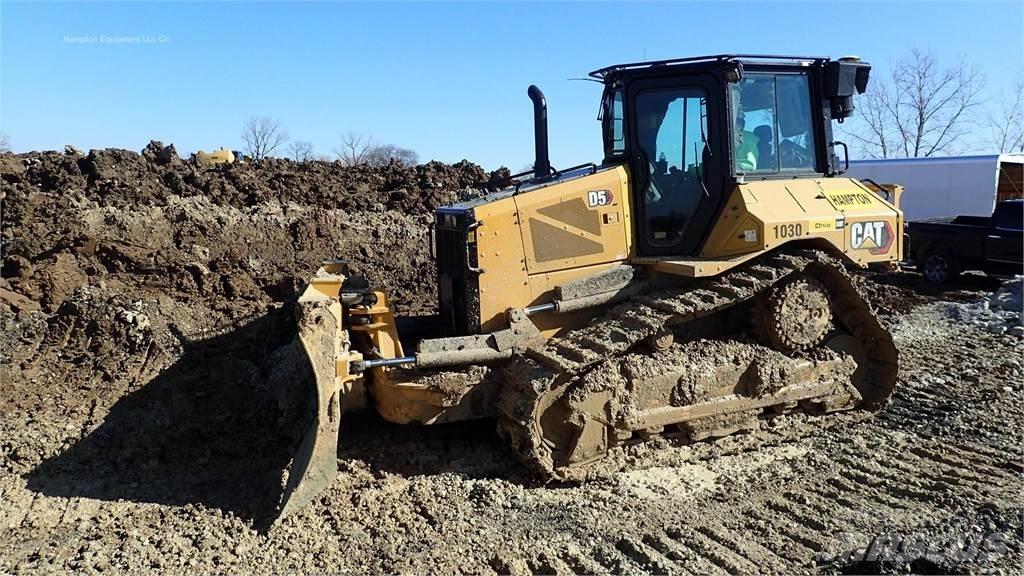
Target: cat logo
875, 237
597, 198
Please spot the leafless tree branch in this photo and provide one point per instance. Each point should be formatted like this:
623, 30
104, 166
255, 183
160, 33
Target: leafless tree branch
356, 149
353, 149
300, 151
1006, 120
387, 153
262, 136
919, 109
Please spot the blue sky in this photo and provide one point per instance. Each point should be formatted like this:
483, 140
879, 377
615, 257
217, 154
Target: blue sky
446, 79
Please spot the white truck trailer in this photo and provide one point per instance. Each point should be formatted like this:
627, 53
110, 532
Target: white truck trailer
943, 187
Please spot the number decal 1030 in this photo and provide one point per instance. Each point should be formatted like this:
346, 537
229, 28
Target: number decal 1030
789, 230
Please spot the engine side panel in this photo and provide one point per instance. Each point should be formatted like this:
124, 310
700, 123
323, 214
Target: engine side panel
763, 215
529, 243
577, 223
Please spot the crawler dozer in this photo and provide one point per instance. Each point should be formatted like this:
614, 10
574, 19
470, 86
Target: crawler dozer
695, 282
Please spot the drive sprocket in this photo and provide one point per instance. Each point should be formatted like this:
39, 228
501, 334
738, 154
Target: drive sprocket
796, 315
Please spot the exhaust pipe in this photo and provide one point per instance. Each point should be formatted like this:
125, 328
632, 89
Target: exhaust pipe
541, 164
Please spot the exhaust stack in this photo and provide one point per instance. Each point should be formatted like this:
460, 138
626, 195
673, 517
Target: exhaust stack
541, 164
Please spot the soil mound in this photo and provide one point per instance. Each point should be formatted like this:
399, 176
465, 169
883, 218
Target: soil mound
120, 269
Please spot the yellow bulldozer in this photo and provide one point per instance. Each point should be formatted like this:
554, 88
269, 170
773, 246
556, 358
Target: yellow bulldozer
219, 156
695, 282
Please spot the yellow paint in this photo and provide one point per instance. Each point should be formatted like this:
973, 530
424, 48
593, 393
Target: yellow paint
219, 156
402, 405
503, 282
381, 327
776, 212
758, 216
511, 278
613, 235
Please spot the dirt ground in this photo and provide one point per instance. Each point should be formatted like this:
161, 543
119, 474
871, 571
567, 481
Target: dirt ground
142, 301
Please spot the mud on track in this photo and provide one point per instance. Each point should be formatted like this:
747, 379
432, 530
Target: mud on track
137, 431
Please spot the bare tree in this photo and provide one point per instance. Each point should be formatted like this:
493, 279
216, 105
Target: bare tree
382, 155
262, 136
357, 149
5, 142
1006, 121
301, 151
354, 149
920, 109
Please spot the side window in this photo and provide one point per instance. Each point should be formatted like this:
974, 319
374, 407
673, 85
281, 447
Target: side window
613, 128
772, 128
1009, 216
671, 137
618, 136
754, 124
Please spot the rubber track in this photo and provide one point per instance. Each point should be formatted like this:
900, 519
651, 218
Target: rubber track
567, 358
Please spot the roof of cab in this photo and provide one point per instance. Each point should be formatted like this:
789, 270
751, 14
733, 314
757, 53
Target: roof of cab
701, 62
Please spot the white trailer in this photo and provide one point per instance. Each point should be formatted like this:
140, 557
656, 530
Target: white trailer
953, 186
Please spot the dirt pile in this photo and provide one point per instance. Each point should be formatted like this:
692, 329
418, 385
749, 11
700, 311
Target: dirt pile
121, 270
228, 231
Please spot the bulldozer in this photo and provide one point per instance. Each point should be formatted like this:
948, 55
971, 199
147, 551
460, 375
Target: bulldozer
698, 281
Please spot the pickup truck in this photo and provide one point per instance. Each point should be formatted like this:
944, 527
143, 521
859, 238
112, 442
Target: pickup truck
944, 247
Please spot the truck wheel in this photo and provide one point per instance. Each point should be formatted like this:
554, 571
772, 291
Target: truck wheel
939, 268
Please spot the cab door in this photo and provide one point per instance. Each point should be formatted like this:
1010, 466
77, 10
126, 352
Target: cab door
675, 161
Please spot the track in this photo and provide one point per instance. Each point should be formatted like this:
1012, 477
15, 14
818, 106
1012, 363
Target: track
588, 390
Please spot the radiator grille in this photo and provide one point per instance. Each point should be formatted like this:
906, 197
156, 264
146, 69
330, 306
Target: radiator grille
458, 289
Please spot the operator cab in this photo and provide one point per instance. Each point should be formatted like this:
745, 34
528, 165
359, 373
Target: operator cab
691, 129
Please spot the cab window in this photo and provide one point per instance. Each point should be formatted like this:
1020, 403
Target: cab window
772, 128
671, 136
618, 138
612, 123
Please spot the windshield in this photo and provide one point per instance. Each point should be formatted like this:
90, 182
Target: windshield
772, 129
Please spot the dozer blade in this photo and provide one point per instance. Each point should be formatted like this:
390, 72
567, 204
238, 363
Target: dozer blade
315, 464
